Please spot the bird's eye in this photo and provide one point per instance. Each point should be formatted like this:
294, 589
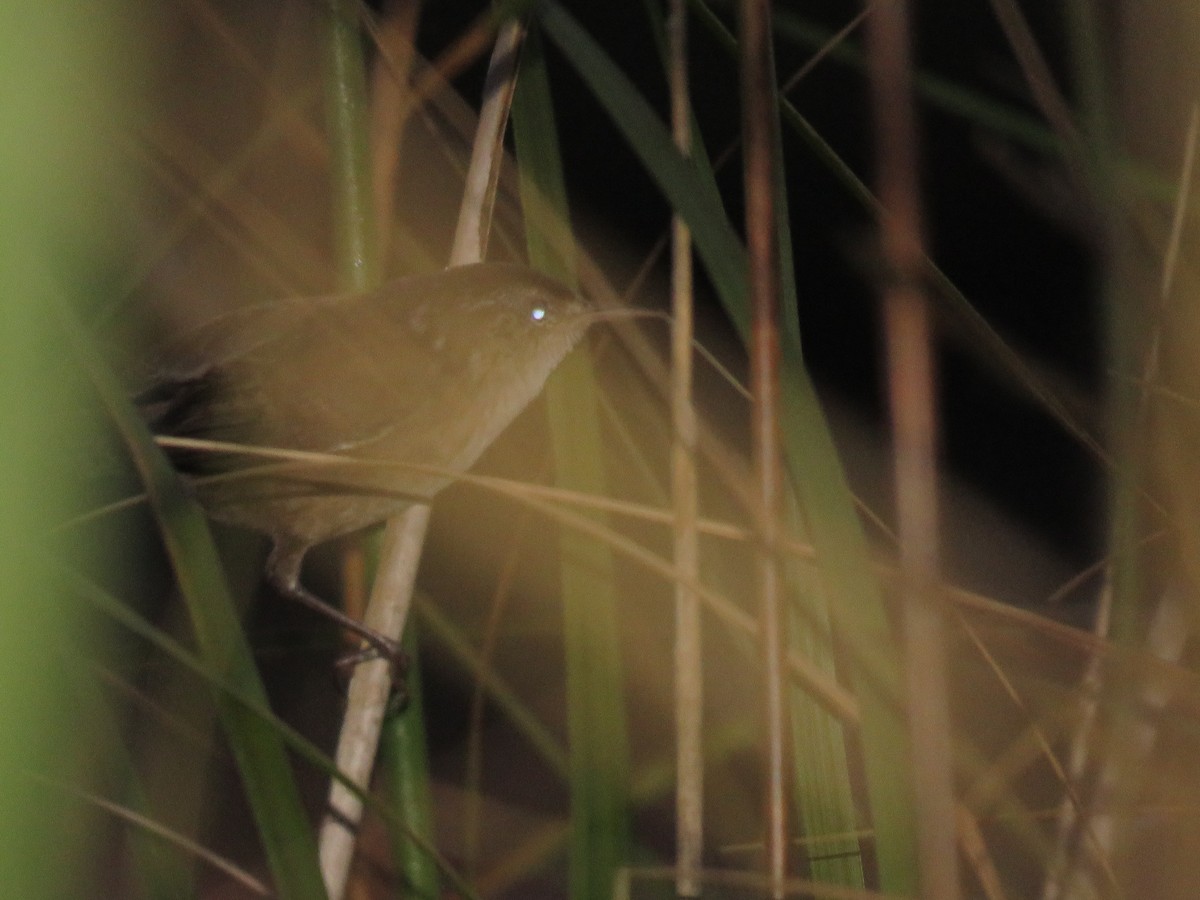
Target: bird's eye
538, 313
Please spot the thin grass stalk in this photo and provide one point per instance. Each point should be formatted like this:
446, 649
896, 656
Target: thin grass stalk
356, 260
595, 704
822, 746
689, 673
391, 596
1070, 811
910, 376
821, 753
758, 92
1040, 78
1109, 756
483, 175
160, 835
354, 251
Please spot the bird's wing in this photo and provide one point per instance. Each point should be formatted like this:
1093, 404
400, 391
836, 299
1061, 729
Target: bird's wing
324, 374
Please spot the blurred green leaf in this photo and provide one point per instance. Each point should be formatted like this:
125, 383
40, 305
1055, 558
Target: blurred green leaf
599, 745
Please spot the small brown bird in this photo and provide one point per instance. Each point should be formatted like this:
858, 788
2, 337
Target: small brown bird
426, 370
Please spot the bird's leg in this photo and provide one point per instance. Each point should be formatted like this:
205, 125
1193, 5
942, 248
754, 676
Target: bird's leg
283, 574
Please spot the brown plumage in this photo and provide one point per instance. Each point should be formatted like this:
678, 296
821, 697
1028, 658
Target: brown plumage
427, 369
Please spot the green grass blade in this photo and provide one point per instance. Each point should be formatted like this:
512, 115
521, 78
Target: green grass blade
355, 249
405, 762
825, 793
692, 195
54, 104
120, 614
595, 706
256, 746
109, 606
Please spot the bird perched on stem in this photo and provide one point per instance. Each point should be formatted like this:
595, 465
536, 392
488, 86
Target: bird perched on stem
425, 370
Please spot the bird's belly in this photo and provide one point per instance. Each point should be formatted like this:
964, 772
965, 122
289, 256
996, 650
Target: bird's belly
316, 505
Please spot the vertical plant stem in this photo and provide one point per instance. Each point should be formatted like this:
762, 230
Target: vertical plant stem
391, 595
479, 192
1110, 758
46, 162
350, 170
404, 759
689, 681
758, 92
470, 245
599, 768
403, 741
356, 259
370, 688
912, 407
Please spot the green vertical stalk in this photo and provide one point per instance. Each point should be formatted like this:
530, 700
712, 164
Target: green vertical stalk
346, 108
599, 768
404, 760
48, 159
356, 251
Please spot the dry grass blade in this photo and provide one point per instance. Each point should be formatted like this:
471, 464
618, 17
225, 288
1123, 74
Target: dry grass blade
391, 595
689, 676
911, 404
758, 103
236, 874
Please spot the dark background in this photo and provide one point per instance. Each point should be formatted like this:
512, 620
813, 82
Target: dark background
1008, 233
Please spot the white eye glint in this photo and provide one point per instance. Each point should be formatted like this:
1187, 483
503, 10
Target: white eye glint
537, 313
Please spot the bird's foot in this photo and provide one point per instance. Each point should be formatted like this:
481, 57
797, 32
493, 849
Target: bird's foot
376, 645
396, 659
